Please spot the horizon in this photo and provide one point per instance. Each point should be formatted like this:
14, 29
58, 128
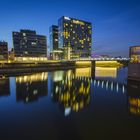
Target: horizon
115, 27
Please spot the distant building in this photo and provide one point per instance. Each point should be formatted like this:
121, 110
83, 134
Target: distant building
76, 35
135, 54
11, 55
3, 50
28, 44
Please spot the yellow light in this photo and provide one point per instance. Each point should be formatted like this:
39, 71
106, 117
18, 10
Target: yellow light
32, 78
83, 72
78, 22
106, 72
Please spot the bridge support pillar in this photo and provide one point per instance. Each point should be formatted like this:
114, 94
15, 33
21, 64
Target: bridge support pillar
93, 65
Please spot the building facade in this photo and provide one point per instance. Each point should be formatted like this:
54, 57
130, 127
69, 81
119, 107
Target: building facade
75, 37
28, 44
134, 65
53, 37
3, 50
55, 52
135, 54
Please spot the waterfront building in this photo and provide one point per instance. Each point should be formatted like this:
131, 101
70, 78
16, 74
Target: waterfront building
135, 54
3, 51
53, 37
75, 37
134, 65
29, 46
55, 52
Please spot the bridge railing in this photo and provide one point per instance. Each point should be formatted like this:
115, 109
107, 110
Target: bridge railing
101, 59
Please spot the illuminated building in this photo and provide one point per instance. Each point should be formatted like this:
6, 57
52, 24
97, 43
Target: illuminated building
28, 44
134, 65
3, 50
53, 38
135, 54
55, 52
75, 37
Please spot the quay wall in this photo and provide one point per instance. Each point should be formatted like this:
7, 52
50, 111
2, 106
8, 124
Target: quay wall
134, 71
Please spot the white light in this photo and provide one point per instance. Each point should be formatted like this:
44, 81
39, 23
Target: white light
67, 111
67, 18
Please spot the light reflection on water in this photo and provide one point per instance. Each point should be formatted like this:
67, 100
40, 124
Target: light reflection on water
69, 93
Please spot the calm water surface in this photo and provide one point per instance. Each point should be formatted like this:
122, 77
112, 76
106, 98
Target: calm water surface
72, 104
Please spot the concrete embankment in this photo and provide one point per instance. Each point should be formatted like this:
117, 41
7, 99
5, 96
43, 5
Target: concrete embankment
10, 68
14, 68
134, 71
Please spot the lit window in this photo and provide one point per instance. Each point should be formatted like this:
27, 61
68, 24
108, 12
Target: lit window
24, 34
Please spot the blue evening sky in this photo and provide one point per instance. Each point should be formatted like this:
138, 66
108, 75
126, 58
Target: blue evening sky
116, 23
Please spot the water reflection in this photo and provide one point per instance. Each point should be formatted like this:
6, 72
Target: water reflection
83, 72
134, 98
106, 72
71, 89
4, 87
97, 103
31, 87
70, 92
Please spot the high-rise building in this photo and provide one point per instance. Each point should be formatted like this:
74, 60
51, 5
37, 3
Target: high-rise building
55, 52
53, 37
3, 50
28, 44
75, 37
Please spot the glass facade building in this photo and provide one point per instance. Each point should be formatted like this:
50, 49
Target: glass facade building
76, 35
28, 44
53, 37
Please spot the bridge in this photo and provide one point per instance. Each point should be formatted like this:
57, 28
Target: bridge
101, 59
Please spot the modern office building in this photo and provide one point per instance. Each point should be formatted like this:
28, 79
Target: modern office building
53, 37
135, 54
75, 37
55, 52
27, 44
3, 50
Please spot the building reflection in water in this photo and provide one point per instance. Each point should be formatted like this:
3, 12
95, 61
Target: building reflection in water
106, 72
70, 91
4, 86
30, 87
134, 98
